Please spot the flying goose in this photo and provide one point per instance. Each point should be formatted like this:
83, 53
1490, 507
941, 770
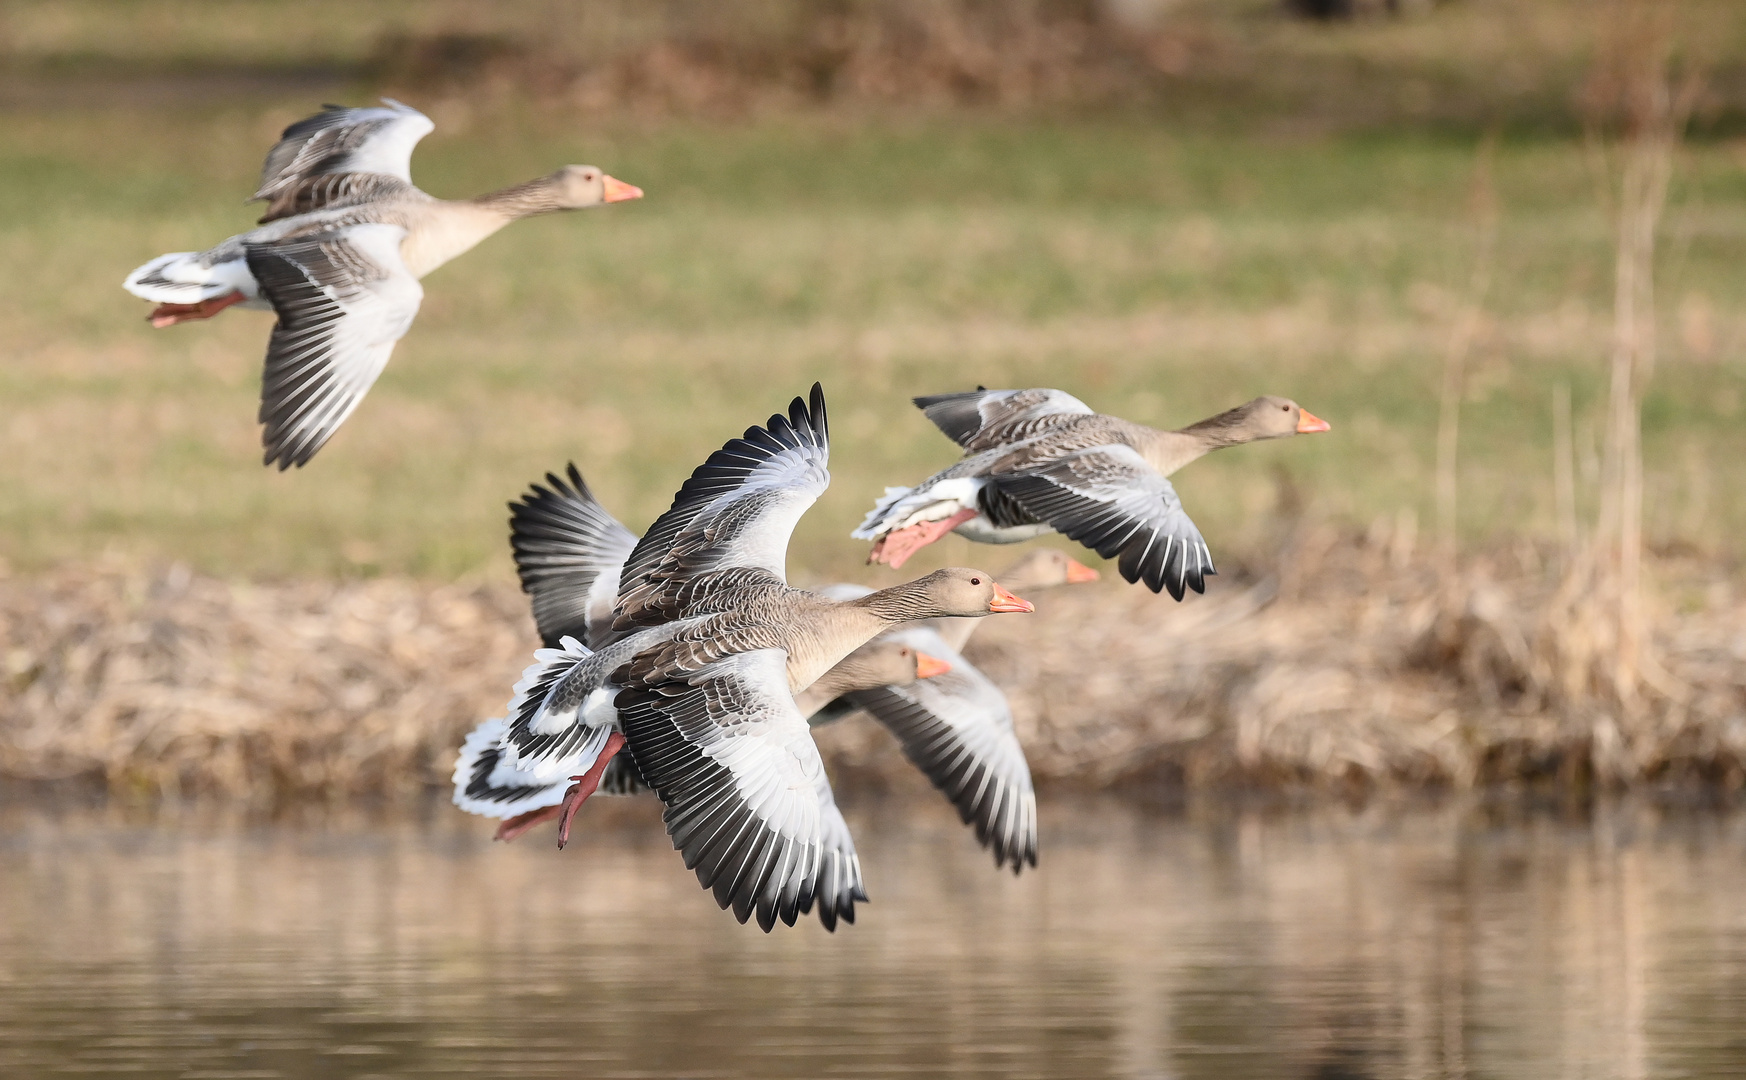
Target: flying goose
338, 256
569, 551
1039, 461
486, 784
709, 645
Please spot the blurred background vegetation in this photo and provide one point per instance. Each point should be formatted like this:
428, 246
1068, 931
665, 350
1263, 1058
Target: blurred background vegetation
1163, 207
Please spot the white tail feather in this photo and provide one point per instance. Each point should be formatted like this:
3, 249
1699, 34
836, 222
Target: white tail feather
486, 785
529, 709
185, 277
874, 524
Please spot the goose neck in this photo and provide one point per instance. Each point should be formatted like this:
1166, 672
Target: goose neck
537, 196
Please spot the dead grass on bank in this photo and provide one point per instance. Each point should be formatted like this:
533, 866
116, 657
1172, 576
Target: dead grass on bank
175, 683
1356, 663
1353, 662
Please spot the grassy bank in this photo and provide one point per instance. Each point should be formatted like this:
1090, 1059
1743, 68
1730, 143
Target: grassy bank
1268, 212
1161, 275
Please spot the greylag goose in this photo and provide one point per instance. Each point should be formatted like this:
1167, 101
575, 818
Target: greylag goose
709, 645
488, 785
1039, 461
338, 256
569, 551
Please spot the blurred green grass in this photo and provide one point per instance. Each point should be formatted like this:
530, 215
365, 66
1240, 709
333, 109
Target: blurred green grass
1161, 271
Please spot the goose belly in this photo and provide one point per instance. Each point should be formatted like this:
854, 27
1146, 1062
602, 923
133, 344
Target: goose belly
982, 531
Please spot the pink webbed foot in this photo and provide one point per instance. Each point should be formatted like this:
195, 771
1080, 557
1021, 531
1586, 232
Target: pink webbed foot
585, 786
170, 314
520, 823
894, 548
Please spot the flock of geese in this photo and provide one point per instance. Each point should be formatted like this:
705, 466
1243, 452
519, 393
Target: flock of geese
682, 662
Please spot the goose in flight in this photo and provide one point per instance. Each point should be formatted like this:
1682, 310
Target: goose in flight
569, 550
709, 644
338, 256
1039, 461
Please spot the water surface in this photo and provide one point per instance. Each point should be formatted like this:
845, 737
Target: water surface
1444, 942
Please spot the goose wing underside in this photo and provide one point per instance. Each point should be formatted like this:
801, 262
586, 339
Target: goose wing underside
343, 299
981, 419
957, 729
737, 511
747, 801
1110, 500
568, 552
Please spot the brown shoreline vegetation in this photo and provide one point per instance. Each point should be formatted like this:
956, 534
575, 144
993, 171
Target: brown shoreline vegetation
1352, 664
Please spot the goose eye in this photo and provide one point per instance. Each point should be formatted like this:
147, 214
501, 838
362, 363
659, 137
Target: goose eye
975, 581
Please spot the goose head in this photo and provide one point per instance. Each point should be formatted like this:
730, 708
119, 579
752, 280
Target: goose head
955, 592
1264, 418
1045, 568
889, 662
579, 186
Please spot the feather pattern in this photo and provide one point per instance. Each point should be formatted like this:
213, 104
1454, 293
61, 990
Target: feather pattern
376, 142
344, 298
983, 419
738, 509
486, 784
748, 804
568, 552
1109, 499
957, 729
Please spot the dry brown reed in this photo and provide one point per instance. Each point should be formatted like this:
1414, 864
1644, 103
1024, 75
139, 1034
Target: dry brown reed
693, 60
1604, 648
1351, 662
171, 682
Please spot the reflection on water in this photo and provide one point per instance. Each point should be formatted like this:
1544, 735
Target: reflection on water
1433, 943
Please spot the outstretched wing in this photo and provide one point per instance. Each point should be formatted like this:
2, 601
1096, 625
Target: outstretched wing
1110, 500
957, 729
980, 419
568, 551
747, 801
340, 155
737, 510
343, 299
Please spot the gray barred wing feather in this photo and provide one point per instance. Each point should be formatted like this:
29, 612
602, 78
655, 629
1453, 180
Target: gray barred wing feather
748, 804
738, 509
340, 155
568, 553
957, 729
981, 419
343, 299
1110, 500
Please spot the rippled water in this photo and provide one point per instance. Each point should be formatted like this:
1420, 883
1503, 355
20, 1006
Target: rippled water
1449, 942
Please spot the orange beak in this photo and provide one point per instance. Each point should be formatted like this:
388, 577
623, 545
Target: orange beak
1078, 573
619, 191
1308, 423
1005, 601
926, 667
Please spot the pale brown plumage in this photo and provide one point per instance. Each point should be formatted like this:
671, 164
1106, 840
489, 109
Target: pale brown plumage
1040, 461
709, 645
338, 256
